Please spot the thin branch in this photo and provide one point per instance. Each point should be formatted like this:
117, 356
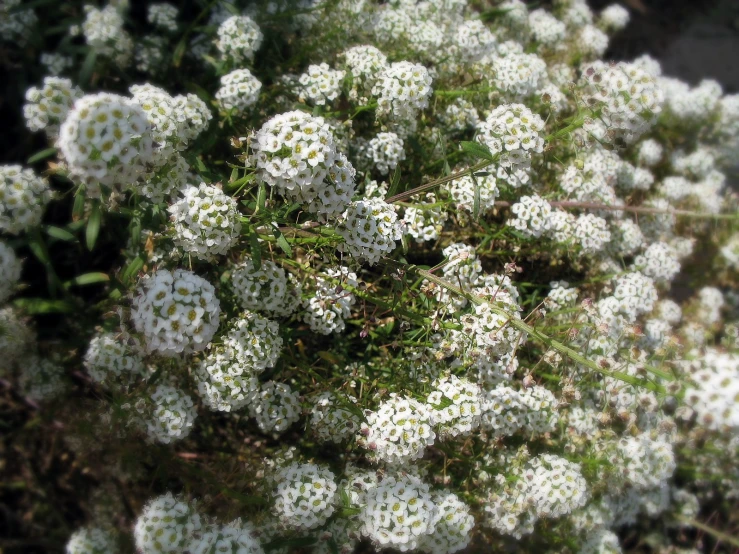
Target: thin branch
634, 209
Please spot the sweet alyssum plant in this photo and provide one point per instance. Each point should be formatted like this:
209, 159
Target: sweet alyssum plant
377, 276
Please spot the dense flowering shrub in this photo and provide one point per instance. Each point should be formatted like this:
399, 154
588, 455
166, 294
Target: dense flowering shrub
361, 276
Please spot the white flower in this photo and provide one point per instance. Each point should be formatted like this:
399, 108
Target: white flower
206, 221
107, 140
267, 289
370, 229
326, 311
47, 107
398, 512
239, 90
398, 431
104, 32
163, 16
91, 540
109, 360
451, 531
166, 526
226, 382
320, 84
23, 198
176, 312
275, 408
386, 150
172, 415
455, 406
402, 90
330, 420
41, 379
305, 495
239, 37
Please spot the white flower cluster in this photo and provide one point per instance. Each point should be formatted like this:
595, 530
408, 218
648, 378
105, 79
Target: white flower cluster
463, 193
514, 132
330, 421
256, 340
614, 18
714, 389
177, 312
55, 63
455, 406
650, 152
370, 229
166, 526
517, 74
592, 41
398, 431
239, 37
295, 153
629, 99
41, 379
561, 295
167, 181
239, 90
659, 261
326, 311
452, 528
364, 64
206, 221
275, 408
460, 115
109, 360
473, 40
107, 139
532, 216
16, 25
386, 150
402, 90
424, 221
505, 410
47, 107
691, 105
642, 462
320, 84
104, 32
730, 251
397, 512
305, 496
23, 198
268, 288
546, 29
591, 233
226, 381
197, 114
10, 271
626, 237
172, 415
236, 537
636, 294
163, 16
91, 540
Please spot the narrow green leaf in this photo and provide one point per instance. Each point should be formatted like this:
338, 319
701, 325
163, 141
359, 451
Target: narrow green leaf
234, 174
394, 182
155, 377
243, 498
261, 197
78, 210
255, 250
233, 185
132, 269
282, 242
477, 150
42, 155
59, 233
93, 226
87, 68
39, 250
36, 306
179, 51
88, 279
476, 199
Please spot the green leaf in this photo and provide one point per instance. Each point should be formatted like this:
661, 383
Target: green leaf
155, 377
37, 306
477, 150
476, 200
179, 51
88, 67
78, 210
132, 269
88, 279
394, 182
282, 242
261, 197
255, 250
42, 155
238, 183
59, 233
243, 498
93, 226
